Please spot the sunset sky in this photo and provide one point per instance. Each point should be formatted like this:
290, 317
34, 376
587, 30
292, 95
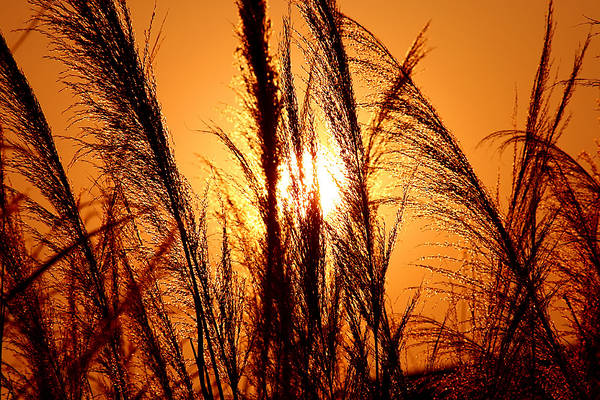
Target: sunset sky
481, 52
486, 265
482, 55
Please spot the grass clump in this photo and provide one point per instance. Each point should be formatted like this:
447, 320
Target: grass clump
294, 303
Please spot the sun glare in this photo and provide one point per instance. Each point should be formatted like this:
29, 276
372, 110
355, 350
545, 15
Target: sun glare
328, 173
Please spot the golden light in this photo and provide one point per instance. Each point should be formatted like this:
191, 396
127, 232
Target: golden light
327, 172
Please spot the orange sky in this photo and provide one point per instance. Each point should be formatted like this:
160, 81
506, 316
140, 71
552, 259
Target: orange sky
482, 51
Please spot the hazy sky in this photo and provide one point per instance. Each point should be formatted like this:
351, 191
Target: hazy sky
483, 53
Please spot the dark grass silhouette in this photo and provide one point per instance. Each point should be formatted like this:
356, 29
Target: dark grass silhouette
294, 304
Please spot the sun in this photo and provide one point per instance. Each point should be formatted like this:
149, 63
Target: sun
327, 172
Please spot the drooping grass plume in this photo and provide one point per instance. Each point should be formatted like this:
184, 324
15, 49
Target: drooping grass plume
126, 131
341, 52
34, 156
512, 249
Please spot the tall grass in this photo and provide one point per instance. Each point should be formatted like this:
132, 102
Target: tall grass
292, 303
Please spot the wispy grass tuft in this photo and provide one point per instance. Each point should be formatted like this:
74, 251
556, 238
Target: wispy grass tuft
292, 303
